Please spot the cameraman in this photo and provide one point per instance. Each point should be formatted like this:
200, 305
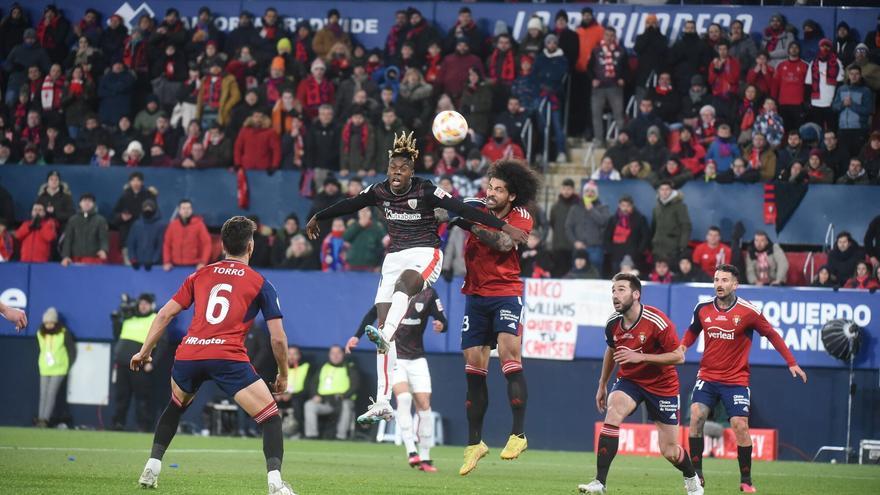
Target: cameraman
131, 323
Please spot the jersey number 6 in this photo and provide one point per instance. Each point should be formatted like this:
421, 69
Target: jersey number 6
214, 300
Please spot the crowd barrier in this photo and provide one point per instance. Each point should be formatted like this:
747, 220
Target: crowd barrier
564, 319
369, 22
273, 197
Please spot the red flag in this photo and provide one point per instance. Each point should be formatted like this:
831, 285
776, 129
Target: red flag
244, 197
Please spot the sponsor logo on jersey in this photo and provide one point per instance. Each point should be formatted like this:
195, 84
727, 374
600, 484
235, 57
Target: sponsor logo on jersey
411, 321
721, 318
392, 215
720, 333
198, 341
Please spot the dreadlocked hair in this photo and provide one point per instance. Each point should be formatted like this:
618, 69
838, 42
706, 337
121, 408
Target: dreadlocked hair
519, 178
404, 146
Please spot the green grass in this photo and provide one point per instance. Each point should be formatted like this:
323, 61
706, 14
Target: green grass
79, 462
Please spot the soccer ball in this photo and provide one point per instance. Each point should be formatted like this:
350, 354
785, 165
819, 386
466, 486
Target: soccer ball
449, 128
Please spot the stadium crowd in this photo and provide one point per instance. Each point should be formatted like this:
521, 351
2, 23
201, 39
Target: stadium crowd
787, 103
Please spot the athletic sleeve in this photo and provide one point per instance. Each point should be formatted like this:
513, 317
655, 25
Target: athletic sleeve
438, 198
693, 331
184, 295
667, 339
348, 206
270, 306
521, 219
763, 327
368, 319
609, 333
437, 310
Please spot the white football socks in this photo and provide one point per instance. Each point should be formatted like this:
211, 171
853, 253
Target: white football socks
405, 421
385, 373
275, 478
399, 305
154, 465
426, 434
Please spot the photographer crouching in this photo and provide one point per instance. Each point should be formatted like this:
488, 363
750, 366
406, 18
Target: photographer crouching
131, 323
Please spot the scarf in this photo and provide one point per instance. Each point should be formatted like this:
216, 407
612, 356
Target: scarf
346, 138
755, 158
831, 70
132, 162
159, 139
317, 92
762, 267
772, 37
300, 53
417, 30
607, 59
391, 40
696, 96
336, 29
102, 162
169, 69
211, 91
32, 135
50, 93
75, 88
662, 90
432, 68
268, 32
508, 66
186, 151
46, 41
747, 115
665, 279
725, 147
622, 229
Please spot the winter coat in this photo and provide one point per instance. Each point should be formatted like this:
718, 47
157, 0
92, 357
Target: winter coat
635, 244
745, 51
130, 202
558, 216
638, 129
257, 148
548, 73
414, 104
356, 155
679, 179
872, 238
20, 59
476, 107
114, 94
493, 151
842, 264
767, 165
385, 138
325, 39
776, 261
12, 30
655, 155
858, 114
651, 47
750, 176
145, 122
721, 154
76, 107
36, 240
619, 60
588, 38
229, 96
219, 155
188, 244
621, 154
145, 240
671, 226
112, 42
453, 75
61, 203
85, 235
689, 56
586, 226
322, 146
365, 245
780, 52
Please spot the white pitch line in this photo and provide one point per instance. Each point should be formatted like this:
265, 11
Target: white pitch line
618, 467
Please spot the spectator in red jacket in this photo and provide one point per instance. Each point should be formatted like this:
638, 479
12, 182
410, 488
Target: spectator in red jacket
257, 146
862, 278
724, 79
713, 252
187, 242
789, 87
7, 242
36, 236
500, 146
762, 75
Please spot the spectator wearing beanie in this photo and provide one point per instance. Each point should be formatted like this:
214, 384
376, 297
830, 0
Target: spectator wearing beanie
257, 146
585, 223
315, 90
823, 76
499, 146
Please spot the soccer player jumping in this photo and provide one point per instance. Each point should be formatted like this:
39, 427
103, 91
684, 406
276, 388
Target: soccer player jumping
227, 296
414, 260
493, 306
727, 323
642, 340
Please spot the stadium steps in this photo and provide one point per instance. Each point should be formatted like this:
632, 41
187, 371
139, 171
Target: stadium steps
575, 168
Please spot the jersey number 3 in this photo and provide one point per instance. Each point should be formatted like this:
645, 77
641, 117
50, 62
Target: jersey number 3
214, 300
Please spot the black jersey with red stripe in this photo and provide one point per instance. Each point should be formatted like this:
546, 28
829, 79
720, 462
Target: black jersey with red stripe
409, 216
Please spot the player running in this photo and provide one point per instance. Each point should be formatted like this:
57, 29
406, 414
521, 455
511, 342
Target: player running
727, 323
227, 296
642, 341
415, 258
412, 378
493, 306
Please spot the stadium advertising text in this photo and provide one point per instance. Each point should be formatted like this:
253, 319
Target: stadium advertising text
641, 439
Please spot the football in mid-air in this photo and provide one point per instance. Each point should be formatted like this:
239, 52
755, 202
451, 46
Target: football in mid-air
449, 127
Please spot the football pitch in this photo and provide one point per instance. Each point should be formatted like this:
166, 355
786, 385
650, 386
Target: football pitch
82, 462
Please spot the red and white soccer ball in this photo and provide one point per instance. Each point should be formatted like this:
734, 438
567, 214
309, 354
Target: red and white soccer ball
449, 128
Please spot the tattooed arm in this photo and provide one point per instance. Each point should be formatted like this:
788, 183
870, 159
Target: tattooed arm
495, 239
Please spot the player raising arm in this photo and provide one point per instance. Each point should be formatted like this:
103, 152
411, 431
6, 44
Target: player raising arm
16, 316
727, 323
642, 341
414, 261
227, 296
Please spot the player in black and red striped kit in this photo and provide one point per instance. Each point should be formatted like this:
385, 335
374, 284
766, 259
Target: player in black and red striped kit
727, 323
414, 261
642, 341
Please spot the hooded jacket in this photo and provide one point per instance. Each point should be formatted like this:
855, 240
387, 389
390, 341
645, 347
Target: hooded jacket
145, 240
672, 227
85, 235
586, 226
61, 202
777, 264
